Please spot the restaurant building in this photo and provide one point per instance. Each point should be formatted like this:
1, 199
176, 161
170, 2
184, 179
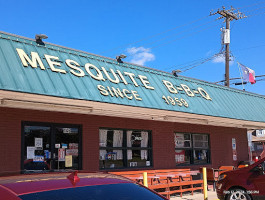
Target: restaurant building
64, 109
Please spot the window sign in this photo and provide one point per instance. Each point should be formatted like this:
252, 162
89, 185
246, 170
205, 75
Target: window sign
38, 159
61, 154
111, 156
73, 145
136, 139
47, 154
30, 152
180, 156
234, 143
234, 149
68, 161
72, 152
179, 140
148, 163
66, 130
133, 164
38, 142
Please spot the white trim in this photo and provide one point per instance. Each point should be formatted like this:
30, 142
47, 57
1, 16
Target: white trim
49, 103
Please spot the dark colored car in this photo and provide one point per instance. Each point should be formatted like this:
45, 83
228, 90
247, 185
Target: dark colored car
31, 165
81, 186
245, 183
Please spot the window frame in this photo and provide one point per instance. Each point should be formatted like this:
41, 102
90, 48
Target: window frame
192, 149
124, 148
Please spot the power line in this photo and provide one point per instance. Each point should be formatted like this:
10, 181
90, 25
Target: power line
250, 48
255, 10
157, 34
240, 78
166, 43
173, 35
251, 5
263, 79
255, 14
163, 44
206, 60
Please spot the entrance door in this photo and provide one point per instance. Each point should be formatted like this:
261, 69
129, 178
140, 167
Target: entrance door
37, 148
50, 147
66, 154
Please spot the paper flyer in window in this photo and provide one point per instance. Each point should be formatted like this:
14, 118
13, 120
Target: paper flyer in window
68, 161
38, 142
179, 140
73, 145
61, 154
30, 152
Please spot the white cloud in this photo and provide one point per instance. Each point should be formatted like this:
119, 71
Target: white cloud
140, 55
219, 59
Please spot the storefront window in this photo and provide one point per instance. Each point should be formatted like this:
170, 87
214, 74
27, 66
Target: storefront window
124, 148
191, 148
50, 147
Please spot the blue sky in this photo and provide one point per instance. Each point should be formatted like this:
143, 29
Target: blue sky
165, 35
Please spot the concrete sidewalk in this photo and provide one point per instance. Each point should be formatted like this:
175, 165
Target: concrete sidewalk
197, 196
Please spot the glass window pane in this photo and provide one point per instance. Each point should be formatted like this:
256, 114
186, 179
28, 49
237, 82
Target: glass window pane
182, 156
110, 138
66, 148
103, 137
187, 144
182, 140
136, 147
37, 153
136, 139
200, 156
126, 191
186, 136
200, 141
111, 159
179, 140
138, 158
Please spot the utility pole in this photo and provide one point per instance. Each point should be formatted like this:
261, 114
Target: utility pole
229, 15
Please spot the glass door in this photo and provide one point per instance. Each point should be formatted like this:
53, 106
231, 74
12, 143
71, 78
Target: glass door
37, 148
50, 147
66, 154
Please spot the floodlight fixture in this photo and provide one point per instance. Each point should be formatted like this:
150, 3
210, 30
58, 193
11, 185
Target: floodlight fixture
176, 72
118, 58
39, 38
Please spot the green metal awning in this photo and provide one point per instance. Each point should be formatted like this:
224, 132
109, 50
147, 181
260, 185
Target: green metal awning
57, 71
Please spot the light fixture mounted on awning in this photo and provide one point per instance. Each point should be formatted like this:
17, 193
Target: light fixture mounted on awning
118, 58
39, 38
176, 72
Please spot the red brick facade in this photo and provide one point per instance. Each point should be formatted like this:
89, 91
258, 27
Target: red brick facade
162, 136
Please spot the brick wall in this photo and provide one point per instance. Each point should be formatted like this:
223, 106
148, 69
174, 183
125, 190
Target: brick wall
162, 136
